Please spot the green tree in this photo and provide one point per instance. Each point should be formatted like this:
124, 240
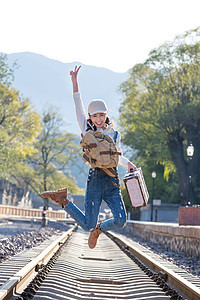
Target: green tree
19, 123
56, 151
160, 114
33, 153
19, 127
6, 71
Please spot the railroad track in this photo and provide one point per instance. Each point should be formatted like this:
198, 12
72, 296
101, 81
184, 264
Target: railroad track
115, 269
18, 271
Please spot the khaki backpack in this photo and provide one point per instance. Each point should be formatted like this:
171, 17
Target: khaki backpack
100, 151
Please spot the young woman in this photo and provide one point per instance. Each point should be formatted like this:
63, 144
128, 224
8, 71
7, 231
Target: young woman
100, 186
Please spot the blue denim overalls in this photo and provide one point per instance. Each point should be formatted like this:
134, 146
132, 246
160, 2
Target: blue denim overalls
100, 186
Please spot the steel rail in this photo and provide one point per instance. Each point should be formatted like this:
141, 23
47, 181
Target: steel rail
183, 285
22, 278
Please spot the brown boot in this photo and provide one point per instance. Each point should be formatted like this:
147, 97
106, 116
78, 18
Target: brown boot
59, 196
92, 241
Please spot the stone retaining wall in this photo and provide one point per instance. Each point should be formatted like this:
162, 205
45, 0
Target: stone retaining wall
177, 238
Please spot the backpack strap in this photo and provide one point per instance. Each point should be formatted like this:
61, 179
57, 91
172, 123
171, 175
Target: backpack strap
115, 136
110, 152
110, 172
89, 159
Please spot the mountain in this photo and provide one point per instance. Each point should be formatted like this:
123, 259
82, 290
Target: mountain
47, 82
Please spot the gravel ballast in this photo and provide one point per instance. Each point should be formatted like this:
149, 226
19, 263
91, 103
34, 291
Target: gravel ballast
18, 236
189, 263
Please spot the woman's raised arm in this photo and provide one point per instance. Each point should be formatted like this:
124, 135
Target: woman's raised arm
74, 79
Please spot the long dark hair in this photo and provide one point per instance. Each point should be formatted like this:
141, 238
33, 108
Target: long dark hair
91, 126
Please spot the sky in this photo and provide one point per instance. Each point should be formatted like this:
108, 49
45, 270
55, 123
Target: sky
114, 34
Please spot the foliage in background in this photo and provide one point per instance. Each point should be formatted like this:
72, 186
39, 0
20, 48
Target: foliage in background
19, 123
35, 153
48, 167
160, 115
6, 71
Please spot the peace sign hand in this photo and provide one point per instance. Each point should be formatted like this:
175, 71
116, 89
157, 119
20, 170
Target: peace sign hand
75, 73
74, 79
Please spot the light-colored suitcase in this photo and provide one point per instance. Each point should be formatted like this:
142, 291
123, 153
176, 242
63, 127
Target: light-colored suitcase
136, 188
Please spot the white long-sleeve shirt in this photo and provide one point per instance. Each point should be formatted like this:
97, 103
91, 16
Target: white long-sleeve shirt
82, 121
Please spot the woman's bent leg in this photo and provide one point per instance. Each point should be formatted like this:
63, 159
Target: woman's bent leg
76, 214
93, 199
114, 200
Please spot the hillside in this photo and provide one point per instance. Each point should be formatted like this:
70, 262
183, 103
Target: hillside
47, 82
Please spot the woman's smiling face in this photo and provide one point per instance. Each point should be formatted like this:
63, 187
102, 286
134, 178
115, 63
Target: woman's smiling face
99, 119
